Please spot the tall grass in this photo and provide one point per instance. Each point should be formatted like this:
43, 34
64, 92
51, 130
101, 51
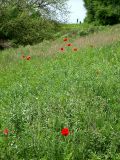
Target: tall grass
79, 90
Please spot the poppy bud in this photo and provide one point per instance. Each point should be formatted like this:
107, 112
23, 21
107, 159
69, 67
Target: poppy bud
75, 49
6, 131
62, 49
69, 44
65, 39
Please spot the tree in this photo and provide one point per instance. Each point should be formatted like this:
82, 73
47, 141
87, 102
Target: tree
103, 11
29, 21
52, 9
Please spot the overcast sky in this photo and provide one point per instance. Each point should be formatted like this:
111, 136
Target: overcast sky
77, 11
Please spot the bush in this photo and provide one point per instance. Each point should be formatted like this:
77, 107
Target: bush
103, 12
24, 28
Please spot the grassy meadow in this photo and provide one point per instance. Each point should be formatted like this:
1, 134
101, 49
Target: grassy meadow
56, 89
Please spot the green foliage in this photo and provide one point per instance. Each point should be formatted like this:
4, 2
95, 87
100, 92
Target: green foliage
77, 90
103, 12
25, 30
78, 30
25, 25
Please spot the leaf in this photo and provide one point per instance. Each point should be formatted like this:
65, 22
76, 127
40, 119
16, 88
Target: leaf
69, 156
1, 140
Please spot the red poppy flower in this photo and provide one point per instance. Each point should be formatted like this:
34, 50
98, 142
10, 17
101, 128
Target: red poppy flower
6, 131
75, 49
62, 49
69, 44
65, 39
28, 57
65, 131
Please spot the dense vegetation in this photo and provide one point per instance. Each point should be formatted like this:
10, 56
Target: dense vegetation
29, 22
79, 90
103, 11
26, 22
70, 83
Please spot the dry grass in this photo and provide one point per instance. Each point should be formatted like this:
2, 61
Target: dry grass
46, 48
98, 39
101, 38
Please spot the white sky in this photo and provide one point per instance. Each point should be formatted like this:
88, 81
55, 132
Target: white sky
77, 11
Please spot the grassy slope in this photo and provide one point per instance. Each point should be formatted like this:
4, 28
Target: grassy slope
79, 90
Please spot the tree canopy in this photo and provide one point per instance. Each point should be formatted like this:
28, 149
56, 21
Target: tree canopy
30, 21
103, 11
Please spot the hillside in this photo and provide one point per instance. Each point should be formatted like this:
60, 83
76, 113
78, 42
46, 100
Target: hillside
59, 86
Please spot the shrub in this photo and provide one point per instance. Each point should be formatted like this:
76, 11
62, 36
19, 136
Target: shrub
25, 28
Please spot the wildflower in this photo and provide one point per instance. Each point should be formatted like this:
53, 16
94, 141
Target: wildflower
75, 49
69, 44
62, 49
65, 131
65, 39
22, 56
6, 131
28, 57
